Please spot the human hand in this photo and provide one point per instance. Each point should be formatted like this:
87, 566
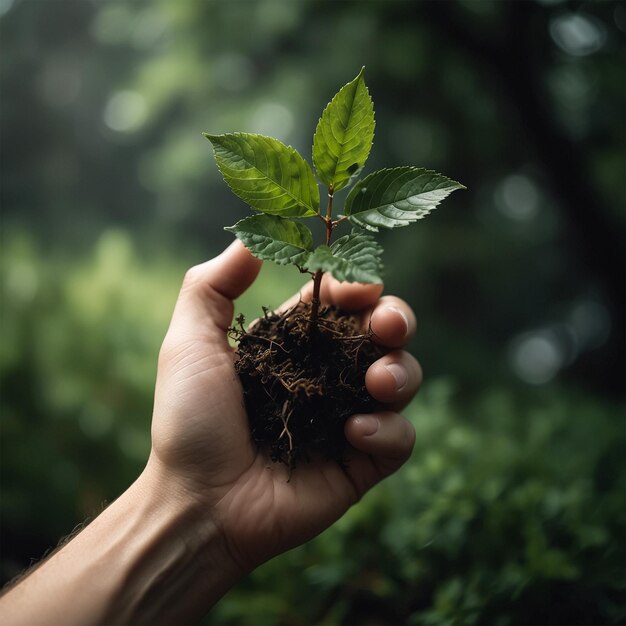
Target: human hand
202, 450
210, 506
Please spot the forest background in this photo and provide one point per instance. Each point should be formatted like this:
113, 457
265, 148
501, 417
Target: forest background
512, 509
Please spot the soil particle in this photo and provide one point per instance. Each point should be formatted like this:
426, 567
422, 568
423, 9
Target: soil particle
301, 385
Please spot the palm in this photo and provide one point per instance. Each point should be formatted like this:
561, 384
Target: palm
267, 511
213, 451
209, 442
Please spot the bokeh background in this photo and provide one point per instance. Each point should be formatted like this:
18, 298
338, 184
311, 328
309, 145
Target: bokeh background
512, 509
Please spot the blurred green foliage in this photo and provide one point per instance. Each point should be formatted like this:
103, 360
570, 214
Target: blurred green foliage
512, 508
496, 520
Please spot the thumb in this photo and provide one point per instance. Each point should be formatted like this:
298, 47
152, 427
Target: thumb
205, 300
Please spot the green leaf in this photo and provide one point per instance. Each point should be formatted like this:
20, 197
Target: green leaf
355, 258
274, 238
270, 176
396, 197
343, 137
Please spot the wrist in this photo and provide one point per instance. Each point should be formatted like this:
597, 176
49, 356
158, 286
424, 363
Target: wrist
151, 557
183, 550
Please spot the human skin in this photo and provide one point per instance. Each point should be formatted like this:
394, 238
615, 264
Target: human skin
209, 506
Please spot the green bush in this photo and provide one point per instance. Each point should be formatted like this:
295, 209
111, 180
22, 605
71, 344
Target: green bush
511, 511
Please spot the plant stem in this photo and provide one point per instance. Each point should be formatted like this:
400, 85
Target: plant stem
317, 279
329, 216
315, 301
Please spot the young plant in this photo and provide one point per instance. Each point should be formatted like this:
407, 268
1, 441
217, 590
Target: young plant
278, 183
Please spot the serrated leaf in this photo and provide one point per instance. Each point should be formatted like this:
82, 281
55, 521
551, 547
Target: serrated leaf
270, 176
396, 197
274, 238
343, 137
355, 258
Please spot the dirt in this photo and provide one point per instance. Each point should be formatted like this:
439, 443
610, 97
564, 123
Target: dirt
301, 384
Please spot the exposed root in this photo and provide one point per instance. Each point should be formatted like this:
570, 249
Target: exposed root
285, 415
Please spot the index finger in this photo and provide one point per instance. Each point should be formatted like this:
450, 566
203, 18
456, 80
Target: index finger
346, 296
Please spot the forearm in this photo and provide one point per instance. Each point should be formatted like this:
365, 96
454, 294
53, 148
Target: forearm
150, 557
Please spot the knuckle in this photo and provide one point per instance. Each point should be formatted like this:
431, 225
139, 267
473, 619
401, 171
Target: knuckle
406, 448
419, 372
394, 301
402, 305
410, 435
402, 434
192, 276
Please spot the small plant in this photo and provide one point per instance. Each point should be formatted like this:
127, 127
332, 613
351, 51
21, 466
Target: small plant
303, 370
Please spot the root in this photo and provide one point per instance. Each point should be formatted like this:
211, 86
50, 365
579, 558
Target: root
300, 387
285, 418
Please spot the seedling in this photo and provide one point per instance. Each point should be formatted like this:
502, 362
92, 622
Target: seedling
295, 366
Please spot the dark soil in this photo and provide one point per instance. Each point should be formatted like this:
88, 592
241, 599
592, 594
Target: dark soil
302, 384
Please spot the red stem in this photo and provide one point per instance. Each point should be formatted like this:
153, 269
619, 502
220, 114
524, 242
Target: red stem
317, 279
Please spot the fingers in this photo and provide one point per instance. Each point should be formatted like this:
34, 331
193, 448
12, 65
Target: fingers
394, 379
228, 274
385, 434
382, 442
349, 296
346, 296
391, 319
205, 300
392, 322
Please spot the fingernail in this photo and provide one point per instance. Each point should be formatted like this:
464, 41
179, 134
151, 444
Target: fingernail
399, 374
402, 314
367, 423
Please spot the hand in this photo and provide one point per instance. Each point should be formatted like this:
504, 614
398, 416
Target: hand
201, 441
210, 506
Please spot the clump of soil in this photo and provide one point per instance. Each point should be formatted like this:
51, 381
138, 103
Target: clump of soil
301, 384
